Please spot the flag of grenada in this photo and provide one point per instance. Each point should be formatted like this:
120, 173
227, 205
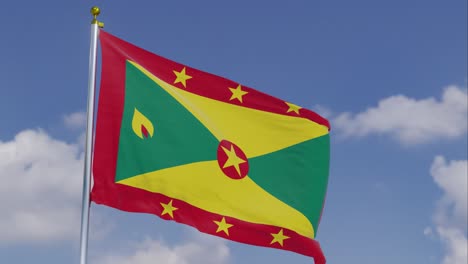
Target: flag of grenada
208, 152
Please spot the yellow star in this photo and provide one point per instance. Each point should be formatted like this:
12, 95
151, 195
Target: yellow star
168, 209
223, 226
233, 159
237, 93
293, 108
279, 238
182, 77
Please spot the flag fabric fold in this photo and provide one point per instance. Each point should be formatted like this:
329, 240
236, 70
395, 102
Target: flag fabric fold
205, 151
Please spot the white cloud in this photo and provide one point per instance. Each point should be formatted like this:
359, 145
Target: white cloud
40, 188
323, 111
450, 216
410, 120
428, 232
75, 120
201, 250
456, 245
452, 178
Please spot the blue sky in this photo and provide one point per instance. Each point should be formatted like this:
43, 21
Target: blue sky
390, 75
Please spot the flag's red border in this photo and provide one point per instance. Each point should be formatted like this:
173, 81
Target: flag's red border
105, 191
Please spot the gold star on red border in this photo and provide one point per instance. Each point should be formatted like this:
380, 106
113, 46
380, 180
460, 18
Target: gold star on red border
293, 108
223, 226
182, 77
237, 93
278, 238
168, 209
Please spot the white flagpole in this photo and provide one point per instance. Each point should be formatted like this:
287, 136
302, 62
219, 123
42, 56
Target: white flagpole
89, 137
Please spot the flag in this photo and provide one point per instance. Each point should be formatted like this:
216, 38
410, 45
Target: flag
205, 151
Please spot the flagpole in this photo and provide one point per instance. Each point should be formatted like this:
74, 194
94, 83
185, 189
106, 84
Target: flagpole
89, 137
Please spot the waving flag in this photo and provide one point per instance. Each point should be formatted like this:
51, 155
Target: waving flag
208, 152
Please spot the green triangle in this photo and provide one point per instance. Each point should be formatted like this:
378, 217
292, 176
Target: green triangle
297, 175
178, 139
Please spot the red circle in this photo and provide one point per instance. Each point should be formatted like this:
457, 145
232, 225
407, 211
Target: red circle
235, 170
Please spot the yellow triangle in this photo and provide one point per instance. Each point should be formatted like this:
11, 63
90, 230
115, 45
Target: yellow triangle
255, 132
204, 185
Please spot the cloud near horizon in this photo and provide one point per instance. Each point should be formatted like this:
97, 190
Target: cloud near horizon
201, 249
450, 216
411, 121
76, 120
41, 187
40, 194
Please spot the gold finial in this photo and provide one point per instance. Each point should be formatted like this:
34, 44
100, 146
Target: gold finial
95, 11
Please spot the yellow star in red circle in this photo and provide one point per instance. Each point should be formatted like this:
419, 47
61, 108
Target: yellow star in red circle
233, 159
182, 77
